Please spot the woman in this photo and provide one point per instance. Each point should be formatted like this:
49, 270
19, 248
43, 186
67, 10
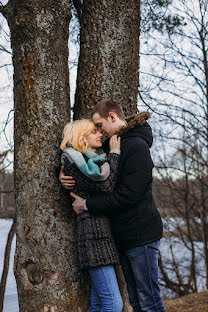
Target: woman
84, 159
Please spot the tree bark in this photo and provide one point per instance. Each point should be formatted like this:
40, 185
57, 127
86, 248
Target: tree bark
109, 55
48, 279
108, 65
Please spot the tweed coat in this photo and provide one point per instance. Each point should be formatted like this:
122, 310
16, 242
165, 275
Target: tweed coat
95, 243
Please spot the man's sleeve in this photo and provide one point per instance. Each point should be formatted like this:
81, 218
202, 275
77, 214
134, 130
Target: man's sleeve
137, 168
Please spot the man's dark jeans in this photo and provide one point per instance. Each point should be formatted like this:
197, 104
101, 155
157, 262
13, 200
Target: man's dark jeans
140, 268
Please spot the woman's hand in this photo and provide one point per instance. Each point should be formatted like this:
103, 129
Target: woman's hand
115, 142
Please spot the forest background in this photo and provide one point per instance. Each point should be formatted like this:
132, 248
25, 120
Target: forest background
151, 56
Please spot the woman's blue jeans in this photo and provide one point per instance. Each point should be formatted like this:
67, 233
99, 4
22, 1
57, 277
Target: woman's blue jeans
140, 268
105, 295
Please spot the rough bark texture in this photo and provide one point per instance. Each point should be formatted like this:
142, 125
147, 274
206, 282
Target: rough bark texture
109, 55
108, 64
45, 260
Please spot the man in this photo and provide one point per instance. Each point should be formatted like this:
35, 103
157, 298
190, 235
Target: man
136, 222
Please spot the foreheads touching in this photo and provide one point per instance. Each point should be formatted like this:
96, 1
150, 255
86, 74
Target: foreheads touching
108, 116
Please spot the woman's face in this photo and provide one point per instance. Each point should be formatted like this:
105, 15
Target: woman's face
94, 139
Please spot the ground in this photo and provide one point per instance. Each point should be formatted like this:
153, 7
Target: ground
190, 303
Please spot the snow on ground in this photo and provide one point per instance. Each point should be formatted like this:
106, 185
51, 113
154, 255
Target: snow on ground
10, 299
182, 256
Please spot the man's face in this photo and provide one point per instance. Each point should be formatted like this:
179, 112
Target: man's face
105, 125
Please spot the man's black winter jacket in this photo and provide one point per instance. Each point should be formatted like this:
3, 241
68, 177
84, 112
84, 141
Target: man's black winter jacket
131, 207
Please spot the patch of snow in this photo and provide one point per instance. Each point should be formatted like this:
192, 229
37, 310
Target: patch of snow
10, 298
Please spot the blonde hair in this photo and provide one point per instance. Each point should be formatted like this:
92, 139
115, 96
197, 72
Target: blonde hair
74, 135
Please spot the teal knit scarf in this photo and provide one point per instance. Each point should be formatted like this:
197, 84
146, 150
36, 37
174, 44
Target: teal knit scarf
91, 169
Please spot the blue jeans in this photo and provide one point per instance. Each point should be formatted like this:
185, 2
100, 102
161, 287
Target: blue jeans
140, 268
105, 295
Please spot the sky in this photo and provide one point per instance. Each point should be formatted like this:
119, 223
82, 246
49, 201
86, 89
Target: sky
6, 86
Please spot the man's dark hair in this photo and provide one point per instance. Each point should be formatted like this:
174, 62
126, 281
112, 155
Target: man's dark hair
104, 107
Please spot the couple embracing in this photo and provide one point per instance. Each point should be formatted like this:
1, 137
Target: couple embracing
117, 220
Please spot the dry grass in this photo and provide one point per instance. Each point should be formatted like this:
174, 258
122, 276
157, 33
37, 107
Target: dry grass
190, 303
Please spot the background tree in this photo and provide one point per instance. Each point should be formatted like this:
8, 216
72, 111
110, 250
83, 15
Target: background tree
10, 235
176, 90
182, 265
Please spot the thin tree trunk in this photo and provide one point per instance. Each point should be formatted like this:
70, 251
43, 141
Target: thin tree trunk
48, 279
123, 289
6, 264
139, 32
204, 231
203, 214
109, 55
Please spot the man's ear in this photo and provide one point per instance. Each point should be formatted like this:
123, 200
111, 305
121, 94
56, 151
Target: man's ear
112, 116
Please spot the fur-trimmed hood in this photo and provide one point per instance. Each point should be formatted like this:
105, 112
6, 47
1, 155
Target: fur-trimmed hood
137, 126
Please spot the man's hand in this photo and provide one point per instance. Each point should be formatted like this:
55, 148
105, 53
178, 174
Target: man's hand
67, 181
78, 204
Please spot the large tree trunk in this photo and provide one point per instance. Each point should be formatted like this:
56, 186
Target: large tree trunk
109, 55
108, 64
45, 261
